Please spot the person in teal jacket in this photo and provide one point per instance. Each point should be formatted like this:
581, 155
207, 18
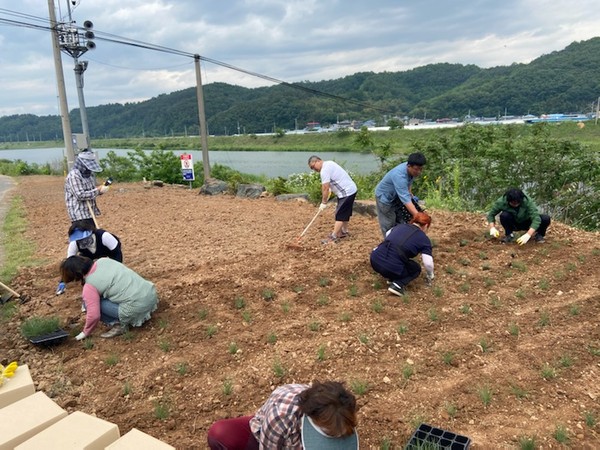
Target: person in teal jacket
518, 212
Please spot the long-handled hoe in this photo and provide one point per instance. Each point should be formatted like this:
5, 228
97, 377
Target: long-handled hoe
297, 243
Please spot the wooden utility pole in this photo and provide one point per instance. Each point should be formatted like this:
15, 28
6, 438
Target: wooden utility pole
62, 93
202, 118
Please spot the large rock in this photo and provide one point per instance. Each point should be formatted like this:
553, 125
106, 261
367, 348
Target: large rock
212, 186
250, 190
297, 197
365, 207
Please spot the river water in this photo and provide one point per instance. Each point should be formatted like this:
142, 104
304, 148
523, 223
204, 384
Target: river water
271, 164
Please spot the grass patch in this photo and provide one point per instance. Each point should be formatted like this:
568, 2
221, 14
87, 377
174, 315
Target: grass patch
513, 329
38, 326
7, 311
165, 345
527, 443
448, 358
18, 251
359, 387
323, 300
182, 368
485, 395
268, 295
239, 303
561, 434
278, 368
162, 409
211, 330
548, 372
377, 306
321, 353
402, 328
519, 392
112, 359
227, 387
127, 389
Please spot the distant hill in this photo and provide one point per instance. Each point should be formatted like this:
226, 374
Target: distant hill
562, 81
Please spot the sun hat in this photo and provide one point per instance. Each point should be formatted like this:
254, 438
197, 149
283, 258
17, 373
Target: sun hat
313, 438
78, 234
89, 161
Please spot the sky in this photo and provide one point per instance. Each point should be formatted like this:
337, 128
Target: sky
291, 41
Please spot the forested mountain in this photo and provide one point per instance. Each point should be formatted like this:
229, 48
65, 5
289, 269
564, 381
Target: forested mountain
562, 81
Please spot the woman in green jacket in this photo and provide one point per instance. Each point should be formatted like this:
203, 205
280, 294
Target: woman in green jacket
518, 212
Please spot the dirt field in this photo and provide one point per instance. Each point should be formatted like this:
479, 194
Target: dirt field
506, 344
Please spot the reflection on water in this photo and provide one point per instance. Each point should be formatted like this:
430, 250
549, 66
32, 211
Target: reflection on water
271, 164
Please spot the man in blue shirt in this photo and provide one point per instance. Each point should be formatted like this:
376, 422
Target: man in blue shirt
393, 195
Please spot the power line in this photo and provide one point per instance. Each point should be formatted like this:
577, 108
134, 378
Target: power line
112, 38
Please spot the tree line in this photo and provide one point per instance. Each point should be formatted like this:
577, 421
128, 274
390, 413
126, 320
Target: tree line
564, 81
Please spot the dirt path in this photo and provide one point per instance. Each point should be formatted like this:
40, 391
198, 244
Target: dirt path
506, 344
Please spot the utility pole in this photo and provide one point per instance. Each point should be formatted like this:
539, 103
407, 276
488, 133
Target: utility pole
75, 45
202, 118
62, 94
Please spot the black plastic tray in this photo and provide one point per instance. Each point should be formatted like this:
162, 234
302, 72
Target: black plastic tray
427, 436
47, 340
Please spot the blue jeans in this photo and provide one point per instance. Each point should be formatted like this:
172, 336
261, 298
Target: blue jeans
109, 311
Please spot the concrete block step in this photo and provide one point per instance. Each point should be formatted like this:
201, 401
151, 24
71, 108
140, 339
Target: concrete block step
17, 387
27, 417
137, 439
77, 431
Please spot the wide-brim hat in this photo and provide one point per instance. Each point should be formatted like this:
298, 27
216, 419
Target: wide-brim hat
313, 438
78, 234
89, 161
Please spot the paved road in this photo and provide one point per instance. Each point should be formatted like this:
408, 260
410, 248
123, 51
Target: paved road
6, 185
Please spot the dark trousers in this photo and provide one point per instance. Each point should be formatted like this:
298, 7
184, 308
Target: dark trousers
510, 224
386, 262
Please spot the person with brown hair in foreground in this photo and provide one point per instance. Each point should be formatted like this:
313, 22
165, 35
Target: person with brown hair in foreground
321, 416
393, 257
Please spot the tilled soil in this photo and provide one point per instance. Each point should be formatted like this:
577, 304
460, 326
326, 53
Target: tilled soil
505, 345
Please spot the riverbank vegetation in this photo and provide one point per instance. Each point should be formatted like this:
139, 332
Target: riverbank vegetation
468, 167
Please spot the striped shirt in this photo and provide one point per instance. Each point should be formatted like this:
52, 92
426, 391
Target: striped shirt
277, 424
78, 191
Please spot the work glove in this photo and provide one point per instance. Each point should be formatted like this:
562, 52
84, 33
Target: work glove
429, 279
494, 232
61, 288
523, 239
322, 206
80, 336
103, 189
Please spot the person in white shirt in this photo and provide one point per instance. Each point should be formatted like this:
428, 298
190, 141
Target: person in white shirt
336, 180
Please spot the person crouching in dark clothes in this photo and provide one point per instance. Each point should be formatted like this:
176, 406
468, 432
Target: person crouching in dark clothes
393, 257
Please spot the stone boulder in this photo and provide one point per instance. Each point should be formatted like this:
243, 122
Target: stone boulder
250, 190
212, 186
287, 197
365, 207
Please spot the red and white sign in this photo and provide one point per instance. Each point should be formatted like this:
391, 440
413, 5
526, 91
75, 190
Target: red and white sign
187, 167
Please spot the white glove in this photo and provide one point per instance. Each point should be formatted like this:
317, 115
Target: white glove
80, 336
322, 206
103, 189
523, 239
494, 232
